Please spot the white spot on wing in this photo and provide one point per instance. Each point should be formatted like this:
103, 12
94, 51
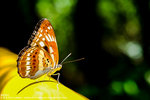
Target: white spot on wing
43, 39
37, 40
28, 54
50, 37
34, 32
28, 58
27, 73
51, 50
27, 63
52, 55
53, 38
47, 38
28, 67
49, 27
31, 51
41, 44
40, 35
34, 44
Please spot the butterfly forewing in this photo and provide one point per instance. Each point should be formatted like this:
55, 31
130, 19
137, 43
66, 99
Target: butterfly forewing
41, 54
43, 36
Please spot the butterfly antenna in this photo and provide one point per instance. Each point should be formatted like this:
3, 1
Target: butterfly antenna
74, 60
65, 58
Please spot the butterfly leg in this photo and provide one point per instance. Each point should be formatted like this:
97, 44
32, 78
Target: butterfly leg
58, 75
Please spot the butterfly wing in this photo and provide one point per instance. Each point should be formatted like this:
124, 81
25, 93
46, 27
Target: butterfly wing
41, 54
33, 62
44, 37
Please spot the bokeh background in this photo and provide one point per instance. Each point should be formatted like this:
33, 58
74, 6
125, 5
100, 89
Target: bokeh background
112, 36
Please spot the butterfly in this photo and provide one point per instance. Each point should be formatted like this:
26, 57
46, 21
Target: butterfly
40, 56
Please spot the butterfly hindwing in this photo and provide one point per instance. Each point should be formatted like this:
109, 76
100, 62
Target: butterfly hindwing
33, 60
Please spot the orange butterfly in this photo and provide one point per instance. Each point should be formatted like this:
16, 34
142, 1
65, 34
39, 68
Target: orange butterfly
40, 56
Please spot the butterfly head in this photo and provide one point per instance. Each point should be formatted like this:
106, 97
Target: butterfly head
58, 67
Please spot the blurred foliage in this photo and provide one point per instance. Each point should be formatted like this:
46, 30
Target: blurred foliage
116, 87
123, 38
122, 21
147, 76
11, 83
131, 87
